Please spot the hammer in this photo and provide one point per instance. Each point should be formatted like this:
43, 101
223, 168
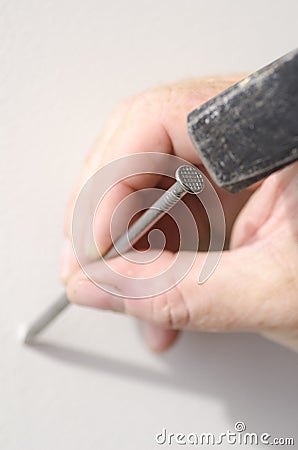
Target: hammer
242, 135
251, 129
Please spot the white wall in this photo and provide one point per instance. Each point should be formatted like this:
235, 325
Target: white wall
91, 383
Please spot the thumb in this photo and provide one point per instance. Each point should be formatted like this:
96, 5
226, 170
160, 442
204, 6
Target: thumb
240, 295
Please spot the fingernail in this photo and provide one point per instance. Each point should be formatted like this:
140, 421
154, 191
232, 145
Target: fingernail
104, 297
158, 339
153, 336
66, 259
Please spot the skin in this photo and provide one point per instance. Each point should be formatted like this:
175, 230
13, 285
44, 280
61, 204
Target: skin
255, 286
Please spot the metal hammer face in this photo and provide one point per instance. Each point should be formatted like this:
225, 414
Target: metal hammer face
251, 129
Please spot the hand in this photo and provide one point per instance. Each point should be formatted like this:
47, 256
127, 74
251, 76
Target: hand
255, 286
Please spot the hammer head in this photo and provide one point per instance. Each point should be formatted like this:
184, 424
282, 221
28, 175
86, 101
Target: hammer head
251, 129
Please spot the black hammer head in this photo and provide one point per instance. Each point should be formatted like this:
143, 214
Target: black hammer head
251, 129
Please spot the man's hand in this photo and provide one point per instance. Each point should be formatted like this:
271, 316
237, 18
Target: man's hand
255, 286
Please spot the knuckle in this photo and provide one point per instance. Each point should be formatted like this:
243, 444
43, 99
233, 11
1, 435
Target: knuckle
170, 310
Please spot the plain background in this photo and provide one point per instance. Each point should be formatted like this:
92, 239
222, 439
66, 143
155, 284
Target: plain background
91, 383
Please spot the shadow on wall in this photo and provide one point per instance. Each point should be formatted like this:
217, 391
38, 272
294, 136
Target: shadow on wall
255, 379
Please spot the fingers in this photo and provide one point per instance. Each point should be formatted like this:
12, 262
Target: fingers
246, 292
158, 339
153, 121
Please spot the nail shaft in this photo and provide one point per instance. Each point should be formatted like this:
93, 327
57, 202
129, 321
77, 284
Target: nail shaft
188, 180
